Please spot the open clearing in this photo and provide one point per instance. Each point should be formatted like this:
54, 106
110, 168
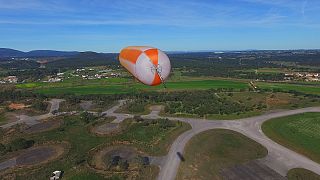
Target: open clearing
209, 153
300, 133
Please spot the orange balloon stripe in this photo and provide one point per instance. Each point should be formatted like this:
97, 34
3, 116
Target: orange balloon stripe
131, 55
153, 56
156, 80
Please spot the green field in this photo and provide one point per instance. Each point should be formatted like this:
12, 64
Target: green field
122, 86
210, 151
307, 89
266, 70
300, 133
301, 174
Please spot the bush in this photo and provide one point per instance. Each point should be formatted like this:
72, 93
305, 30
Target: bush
39, 105
3, 149
87, 117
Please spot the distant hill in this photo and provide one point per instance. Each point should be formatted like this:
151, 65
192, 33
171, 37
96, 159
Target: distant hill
9, 53
5, 52
85, 59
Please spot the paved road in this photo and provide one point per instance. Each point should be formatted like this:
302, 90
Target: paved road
279, 158
32, 120
119, 116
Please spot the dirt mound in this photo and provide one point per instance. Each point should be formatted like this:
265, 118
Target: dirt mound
17, 106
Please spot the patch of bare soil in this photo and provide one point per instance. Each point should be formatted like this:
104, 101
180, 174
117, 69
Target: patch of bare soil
43, 126
106, 129
17, 106
276, 101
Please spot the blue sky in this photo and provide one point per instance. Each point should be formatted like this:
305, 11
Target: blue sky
109, 25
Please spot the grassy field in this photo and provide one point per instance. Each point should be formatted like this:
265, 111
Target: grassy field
121, 86
267, 70
151, 139
308, 89
300, 174
300, 133
209, 152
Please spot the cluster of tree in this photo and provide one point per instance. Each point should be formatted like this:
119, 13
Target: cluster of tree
122, 164
87, 117
163, 123
19, 64
192, 102
39, 105
295, 93
119, 163
16, 145
233, 73
85, 59
32, 74
136, 106
10, 93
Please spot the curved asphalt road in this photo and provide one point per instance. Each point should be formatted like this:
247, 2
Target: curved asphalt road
279, 158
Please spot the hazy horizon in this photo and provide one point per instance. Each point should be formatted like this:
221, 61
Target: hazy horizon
190, 25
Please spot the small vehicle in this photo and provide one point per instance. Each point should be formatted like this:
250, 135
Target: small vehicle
56, 175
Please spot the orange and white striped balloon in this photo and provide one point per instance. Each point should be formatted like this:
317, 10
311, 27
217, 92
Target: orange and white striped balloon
149, 65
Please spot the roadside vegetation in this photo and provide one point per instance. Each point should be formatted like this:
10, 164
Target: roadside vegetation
215, 104
300, 174
300, 133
